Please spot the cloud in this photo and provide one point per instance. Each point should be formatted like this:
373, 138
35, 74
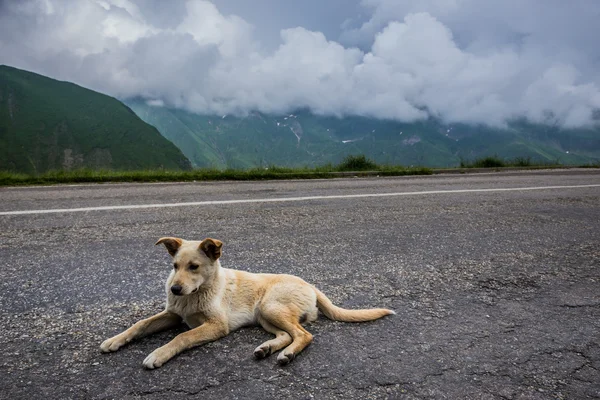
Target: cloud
459, 60
155, 103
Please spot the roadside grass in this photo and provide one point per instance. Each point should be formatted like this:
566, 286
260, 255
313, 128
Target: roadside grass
351, 165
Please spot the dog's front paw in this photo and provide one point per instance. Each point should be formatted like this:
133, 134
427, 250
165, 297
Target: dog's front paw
284, 358
262, 351
114, 343
155, 359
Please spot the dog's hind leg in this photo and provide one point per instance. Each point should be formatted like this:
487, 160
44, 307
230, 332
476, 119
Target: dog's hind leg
282, 339
301, 338
287, 318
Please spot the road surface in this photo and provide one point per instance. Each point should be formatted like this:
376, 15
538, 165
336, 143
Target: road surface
495, 279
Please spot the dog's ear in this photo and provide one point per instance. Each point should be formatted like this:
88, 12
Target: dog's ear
212, 248
171, 243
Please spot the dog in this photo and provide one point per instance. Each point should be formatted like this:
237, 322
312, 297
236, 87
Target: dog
214, 301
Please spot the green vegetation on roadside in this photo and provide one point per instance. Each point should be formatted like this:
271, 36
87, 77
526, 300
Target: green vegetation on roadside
356, 165
497, 162
353, 165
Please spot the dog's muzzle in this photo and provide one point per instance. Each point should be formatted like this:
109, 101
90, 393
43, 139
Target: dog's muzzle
176, 290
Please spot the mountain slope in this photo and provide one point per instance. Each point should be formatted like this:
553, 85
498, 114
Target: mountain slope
305, 139
47, 124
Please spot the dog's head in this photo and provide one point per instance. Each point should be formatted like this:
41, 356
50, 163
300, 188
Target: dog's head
194, 263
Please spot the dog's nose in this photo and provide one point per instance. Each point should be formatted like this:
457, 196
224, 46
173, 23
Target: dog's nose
176, 289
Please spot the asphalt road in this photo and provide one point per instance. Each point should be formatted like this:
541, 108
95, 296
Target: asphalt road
497, 292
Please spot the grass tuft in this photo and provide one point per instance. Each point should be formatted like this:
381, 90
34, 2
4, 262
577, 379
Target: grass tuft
357, 163
486, 162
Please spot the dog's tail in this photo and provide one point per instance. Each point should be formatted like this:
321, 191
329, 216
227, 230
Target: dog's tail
341, 314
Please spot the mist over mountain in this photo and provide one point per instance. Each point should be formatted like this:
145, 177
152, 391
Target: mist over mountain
302, 138
48, 124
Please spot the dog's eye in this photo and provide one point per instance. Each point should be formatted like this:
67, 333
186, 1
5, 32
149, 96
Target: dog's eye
175, 265
193, 267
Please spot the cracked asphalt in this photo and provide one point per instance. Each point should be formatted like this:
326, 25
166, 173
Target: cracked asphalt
497, 293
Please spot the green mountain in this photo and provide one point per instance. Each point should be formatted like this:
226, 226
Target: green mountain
47, 124
304, 139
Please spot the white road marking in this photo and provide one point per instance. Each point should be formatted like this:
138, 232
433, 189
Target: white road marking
286, 199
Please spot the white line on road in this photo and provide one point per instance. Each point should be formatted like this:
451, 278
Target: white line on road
284, 199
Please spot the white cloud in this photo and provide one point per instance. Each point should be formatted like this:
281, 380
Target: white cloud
455, 59
155, 103
208, 26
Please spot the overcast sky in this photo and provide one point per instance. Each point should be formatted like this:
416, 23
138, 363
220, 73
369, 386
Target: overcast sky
461, 60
